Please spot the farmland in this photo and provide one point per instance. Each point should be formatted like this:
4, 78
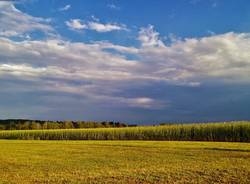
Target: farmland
34, 161
228, 132
180, 153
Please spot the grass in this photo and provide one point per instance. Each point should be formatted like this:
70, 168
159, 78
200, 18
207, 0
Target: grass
34, 161
230, 132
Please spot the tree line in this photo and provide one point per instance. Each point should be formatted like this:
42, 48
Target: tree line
20, 124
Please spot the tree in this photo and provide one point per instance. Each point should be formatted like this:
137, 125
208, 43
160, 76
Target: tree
2, 127
67, 125
25, 125
35, 126
53, 125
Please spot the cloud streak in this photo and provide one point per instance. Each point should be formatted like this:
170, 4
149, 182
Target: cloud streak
15, 23
77, 24
113, 7
65, 8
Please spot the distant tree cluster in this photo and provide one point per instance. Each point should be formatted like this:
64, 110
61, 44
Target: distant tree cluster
20, 124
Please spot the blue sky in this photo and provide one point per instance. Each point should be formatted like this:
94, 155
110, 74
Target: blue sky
133, 61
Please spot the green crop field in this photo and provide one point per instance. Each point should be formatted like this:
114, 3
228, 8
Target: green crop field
34, 161
230, 132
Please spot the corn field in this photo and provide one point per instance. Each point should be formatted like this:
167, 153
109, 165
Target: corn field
230, 132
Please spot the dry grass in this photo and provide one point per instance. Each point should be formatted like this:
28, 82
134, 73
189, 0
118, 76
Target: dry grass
123, 162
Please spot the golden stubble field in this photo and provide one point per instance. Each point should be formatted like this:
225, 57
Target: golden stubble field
33, 161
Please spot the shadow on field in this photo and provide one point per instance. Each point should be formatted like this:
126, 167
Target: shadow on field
227, 149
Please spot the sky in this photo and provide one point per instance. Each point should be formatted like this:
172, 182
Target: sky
132, 61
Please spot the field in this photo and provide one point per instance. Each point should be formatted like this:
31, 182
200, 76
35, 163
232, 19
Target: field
34, 161
229, 132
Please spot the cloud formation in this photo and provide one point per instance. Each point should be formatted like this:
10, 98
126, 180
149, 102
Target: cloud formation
65, 8
77, 24
16, 23
72, 68
149, 38
106, 73
218, 57
113, 7
92, 71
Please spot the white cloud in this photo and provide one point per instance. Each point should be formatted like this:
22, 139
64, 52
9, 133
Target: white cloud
145, 102
148, 37
16, 23
135, 102
65, 8
97, 72
21, 70
99, 27
9, 33
222, 57
113, 6
100, 75
52, 63
92, 71
95, 18
77, 24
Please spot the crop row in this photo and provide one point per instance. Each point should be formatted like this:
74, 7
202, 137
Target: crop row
231, 132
